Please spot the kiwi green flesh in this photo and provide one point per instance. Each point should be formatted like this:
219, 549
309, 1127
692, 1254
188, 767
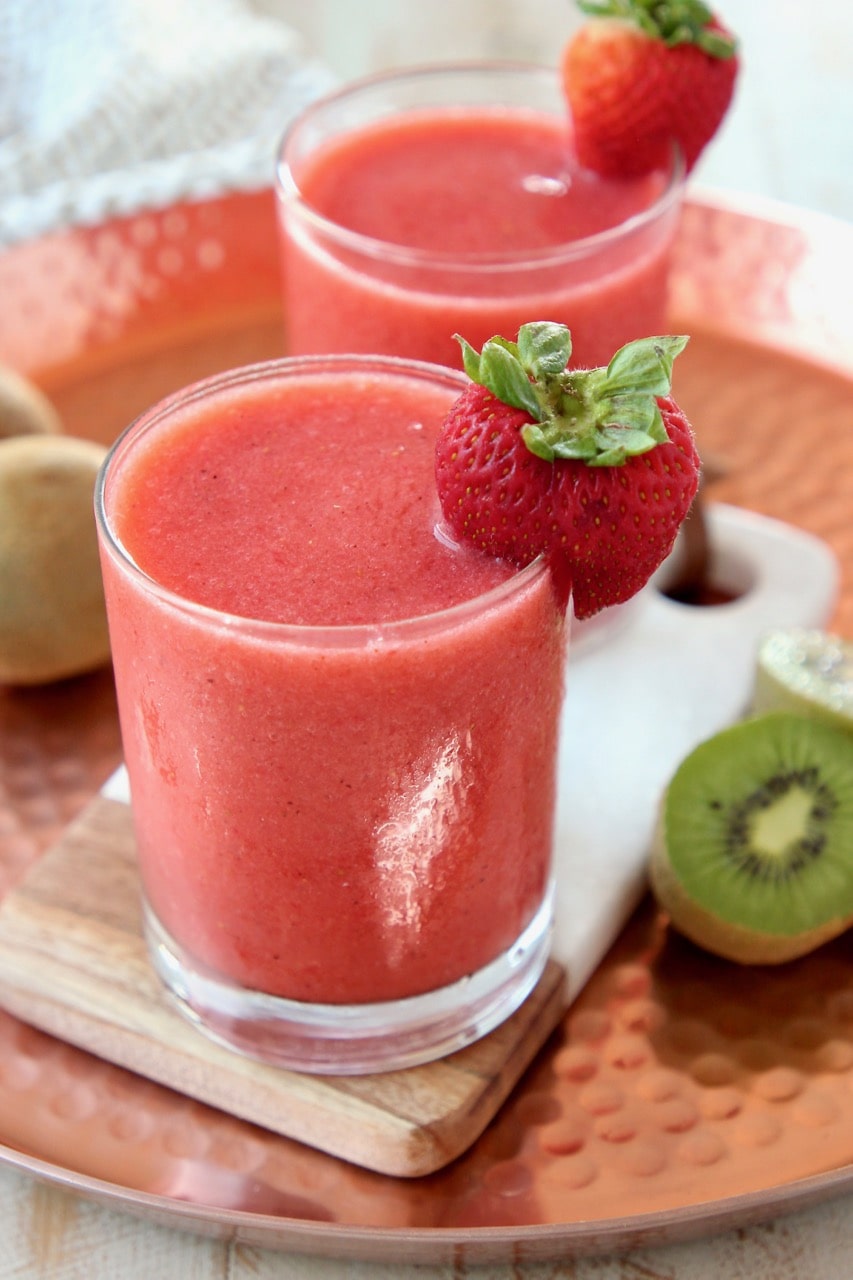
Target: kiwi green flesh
753, 854
809, 672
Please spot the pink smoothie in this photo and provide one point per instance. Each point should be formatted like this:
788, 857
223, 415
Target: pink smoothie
332, 804
407, 203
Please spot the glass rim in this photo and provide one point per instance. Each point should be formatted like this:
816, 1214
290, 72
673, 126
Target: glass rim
289, 195
362, 635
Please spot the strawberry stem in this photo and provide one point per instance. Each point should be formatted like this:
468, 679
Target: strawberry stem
672, 21
601, 416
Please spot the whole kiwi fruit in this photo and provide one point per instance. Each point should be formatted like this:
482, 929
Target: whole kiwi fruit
52, 613
753, 853
24, 409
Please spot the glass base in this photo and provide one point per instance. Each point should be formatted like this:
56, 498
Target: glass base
354, 1039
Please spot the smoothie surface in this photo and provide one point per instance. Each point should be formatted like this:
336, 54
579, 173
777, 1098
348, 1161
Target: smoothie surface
467, 180
312, 502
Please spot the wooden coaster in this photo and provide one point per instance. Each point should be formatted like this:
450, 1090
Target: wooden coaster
73, 963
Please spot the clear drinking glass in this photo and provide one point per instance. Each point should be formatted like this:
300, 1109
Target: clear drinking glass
344, 831
412, 279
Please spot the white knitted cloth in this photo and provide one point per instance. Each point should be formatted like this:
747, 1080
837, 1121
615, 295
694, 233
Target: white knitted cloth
110, 106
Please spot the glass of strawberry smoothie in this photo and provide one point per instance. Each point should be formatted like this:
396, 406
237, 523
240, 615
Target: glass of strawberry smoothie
339, 726
449, 199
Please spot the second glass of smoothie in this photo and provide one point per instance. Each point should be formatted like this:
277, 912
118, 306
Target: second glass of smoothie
340, 727
449, 199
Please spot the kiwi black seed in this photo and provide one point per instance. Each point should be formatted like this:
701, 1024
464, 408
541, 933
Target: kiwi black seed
753, 854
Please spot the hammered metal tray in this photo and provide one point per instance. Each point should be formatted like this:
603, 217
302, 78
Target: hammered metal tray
680, 1095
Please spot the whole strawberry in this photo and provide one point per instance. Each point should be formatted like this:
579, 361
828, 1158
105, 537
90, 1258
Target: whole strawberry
594, 468
642, 74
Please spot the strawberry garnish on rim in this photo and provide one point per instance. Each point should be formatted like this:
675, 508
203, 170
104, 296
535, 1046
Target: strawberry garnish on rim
644, 74
594, 468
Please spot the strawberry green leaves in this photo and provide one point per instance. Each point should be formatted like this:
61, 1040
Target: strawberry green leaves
674, 22
600, 417
544, 348
499, 369
637, 375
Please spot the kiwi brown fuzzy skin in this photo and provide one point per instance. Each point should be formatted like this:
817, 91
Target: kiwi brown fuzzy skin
52, 613
24, 409
721, 937
700, 918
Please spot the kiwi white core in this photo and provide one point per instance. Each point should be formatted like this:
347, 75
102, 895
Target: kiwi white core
780, 827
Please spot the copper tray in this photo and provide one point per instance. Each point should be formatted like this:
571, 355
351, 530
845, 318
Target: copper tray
680, 1096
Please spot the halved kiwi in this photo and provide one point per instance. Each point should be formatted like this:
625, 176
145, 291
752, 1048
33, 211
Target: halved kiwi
806, 671
753, 854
